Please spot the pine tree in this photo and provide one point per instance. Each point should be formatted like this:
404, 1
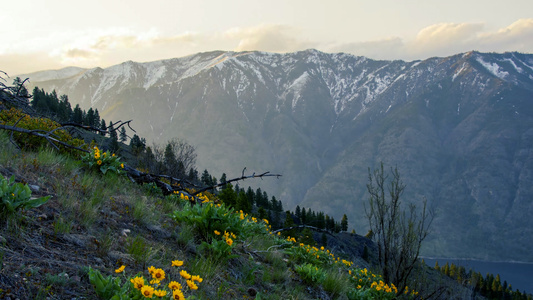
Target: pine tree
205, 179
103, 127
298, 213
222, 180
228, 196
96, 118
289, 222
77, 115
250, 195
65, 110
344, 223
242, 202
113, 146
19, 89
89, 118
123, 135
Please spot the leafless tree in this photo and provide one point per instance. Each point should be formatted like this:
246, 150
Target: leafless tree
398, 233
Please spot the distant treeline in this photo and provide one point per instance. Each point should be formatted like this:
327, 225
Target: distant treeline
489, 286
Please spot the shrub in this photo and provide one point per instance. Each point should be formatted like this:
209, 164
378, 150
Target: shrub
16, 196
15, 117
102, 162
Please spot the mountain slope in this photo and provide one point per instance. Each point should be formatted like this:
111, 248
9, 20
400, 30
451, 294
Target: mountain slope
458, 128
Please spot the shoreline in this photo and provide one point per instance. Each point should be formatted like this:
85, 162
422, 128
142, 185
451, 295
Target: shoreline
476, 259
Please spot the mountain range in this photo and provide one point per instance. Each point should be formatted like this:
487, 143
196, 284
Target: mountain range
459, 129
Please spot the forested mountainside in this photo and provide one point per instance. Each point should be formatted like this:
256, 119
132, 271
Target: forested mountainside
459, 129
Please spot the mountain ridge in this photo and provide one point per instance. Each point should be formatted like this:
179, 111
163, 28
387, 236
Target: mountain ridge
457, 128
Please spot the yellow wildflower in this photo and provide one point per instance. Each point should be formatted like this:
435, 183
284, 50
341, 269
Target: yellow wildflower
185, 275
160, 293
158, 274
173, 285
147, 291
217, 232
138, 282
197, 278
99, 162
151, 269
122, 166
178, 295
119, 270
177, 263
192, 285
229, 241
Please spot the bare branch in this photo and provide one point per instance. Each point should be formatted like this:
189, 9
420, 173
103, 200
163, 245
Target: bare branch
304, 226
243, 177
47, 136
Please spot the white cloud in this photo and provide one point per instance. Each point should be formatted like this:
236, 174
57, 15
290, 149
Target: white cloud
446, 39
515, 37
91, 48
379, 49
269, 37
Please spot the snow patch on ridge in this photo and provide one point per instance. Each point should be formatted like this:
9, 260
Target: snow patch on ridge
297, 86
493, 68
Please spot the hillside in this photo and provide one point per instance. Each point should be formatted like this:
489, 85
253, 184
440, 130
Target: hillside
458, 128
101, 222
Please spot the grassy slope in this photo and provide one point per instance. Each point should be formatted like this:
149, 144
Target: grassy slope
106, 221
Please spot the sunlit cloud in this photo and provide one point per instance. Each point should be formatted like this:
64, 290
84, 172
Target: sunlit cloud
446, 39
515, 37
103, 48
379, 49
270, 38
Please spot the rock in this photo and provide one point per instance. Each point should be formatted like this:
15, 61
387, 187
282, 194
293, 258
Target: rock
158, 231
80, 240
119, 256
34, 188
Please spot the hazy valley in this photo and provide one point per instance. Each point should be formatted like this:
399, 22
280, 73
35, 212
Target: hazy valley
459, 129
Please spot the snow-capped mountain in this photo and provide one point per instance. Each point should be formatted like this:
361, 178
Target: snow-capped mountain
459, 129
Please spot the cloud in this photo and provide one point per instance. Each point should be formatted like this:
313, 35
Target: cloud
515, 37
378, 49
271, 38
446, 39
91, 48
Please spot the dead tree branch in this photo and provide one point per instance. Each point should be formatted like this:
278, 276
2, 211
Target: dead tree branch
243, 177
303, 226
48, 135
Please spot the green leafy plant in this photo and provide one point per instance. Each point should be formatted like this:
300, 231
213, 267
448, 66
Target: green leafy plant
310, 274
103, 162
108, 287
16, 196
209, 217
220, 248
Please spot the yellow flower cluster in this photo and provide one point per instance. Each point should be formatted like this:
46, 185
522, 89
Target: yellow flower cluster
227, 236
200, 197
365, 279
413, 292
381, 286
158, 275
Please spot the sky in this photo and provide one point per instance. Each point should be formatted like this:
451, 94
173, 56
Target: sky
52, 34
